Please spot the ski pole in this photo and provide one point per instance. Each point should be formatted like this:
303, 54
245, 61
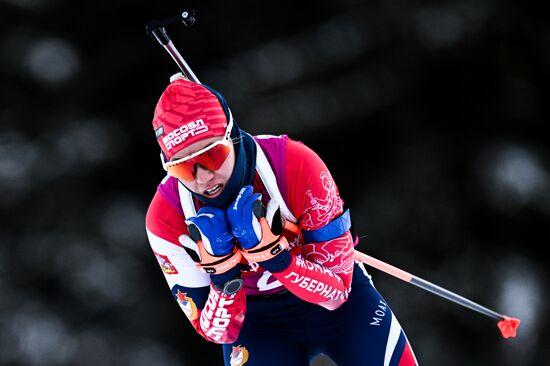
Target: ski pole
506, 324
156, 28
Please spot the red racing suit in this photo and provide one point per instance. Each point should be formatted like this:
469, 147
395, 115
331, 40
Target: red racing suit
319, 272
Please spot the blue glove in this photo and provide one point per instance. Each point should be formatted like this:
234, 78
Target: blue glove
214, 229
249, 225
244, 224
210, 244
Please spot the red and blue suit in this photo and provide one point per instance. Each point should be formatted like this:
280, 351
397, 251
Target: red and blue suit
321, 302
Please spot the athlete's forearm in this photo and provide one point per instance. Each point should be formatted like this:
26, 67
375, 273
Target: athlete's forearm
321, 277
222, 317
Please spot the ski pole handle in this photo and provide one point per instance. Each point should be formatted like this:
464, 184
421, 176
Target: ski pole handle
156, 29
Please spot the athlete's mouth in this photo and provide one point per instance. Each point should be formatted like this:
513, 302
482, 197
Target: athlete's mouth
214, 190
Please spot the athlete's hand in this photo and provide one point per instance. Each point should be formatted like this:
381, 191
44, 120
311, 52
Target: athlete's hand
249, 225
214, 230
212, 241
244, 224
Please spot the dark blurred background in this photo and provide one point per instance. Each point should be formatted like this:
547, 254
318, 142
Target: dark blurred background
431, 116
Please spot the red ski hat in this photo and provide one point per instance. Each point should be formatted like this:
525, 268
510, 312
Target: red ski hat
187, 112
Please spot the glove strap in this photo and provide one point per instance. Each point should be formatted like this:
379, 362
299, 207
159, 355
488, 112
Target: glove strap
217, 264
269, 247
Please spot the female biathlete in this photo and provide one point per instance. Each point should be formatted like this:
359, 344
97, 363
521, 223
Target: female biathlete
254, 241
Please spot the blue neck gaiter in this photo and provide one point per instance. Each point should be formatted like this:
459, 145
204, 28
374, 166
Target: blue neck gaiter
243, 172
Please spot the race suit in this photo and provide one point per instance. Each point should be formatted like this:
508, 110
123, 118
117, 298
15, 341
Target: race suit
290, 316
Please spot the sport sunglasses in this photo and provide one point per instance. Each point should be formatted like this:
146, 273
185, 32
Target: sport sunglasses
211, 157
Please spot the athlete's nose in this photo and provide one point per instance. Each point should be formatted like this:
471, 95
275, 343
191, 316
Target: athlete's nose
203, 175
